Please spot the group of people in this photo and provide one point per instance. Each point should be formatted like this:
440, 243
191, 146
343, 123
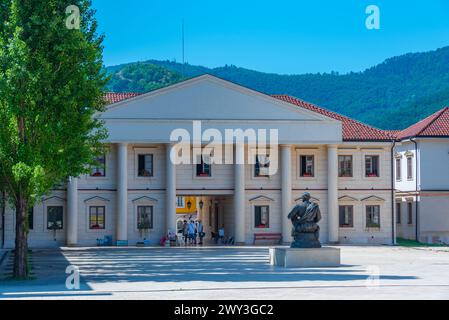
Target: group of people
191, 231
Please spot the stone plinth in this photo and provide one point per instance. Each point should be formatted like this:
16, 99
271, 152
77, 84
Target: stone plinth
305, 257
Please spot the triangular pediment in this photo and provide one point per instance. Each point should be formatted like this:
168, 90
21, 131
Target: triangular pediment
347, 198
96, 198
373, 198
261, 198
208, 98
145, 199
53, 198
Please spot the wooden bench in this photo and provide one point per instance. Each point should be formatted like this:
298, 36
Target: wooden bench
269, 237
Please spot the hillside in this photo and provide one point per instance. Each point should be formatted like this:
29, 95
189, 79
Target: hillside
391, 95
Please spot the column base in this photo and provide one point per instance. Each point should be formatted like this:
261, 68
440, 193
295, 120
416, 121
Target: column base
305, 257
72, 245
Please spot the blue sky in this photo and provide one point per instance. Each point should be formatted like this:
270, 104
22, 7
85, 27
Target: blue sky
284, 36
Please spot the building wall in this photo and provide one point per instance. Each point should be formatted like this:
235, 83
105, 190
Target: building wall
432, 159
434, 163
358, 191
402, 151
405, 229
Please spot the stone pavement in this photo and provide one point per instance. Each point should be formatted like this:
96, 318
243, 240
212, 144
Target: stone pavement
234, 273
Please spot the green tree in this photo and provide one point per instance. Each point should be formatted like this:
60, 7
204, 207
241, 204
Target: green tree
51, 87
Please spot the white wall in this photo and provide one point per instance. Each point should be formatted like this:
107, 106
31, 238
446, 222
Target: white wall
434, 164
401, 151
357, 188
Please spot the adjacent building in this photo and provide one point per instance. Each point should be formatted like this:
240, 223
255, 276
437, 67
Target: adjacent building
135, 194
422, 180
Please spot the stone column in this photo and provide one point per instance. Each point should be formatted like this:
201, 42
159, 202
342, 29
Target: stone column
170, 218
332, 192
72, 212
286, 191
122, 192
239, 193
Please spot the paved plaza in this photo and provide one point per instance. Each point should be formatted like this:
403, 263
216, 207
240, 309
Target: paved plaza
231, 273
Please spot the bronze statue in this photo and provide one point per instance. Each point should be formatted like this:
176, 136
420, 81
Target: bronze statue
305, 218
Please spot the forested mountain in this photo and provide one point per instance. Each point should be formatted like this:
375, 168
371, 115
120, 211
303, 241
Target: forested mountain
391, 95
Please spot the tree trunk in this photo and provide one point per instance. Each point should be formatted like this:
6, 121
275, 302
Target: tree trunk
21, 250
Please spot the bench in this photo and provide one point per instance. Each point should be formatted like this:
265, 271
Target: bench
269, 237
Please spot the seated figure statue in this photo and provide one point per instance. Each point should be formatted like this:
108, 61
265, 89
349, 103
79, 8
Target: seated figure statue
305, 218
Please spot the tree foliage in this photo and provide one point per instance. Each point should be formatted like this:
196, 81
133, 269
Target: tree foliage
51, 86
391, 95
142, 77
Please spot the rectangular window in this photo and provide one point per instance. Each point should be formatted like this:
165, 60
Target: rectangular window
180, 202
307, 166
99, 170
398, 212
203, 169
398, 170
373, 216
410, 212
145, 165
371, 166
31, 218
262, 217
346, 216
55, 217
409, 168
97, 218
345, 166
144, 217
262, 166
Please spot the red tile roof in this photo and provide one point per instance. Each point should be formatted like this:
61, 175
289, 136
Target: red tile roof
435, 125
352, 130
114, 97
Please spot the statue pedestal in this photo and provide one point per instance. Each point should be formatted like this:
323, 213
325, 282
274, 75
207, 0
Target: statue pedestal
305, 257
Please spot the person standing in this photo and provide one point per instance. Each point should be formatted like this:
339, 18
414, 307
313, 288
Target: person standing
191, 230
221, 234
185, 232
201, 233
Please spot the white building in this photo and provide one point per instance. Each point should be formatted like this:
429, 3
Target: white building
422, 180
344, 164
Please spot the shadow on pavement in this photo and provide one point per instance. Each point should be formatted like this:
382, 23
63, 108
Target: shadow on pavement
48, 275
214, 265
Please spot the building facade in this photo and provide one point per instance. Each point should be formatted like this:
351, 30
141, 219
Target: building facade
422, 180
345, 165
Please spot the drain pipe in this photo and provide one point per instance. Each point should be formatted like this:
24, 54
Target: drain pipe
413, 139
3, 204
393, 224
